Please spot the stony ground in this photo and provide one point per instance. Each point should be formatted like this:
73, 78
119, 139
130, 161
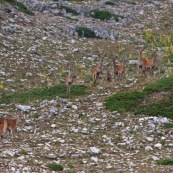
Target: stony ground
79, 132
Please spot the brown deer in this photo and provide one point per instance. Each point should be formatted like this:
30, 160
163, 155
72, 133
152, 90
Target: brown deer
11, 124
69, 80
122, 69
108, 75
115, 66
142, 63
98, 70
3, 128
151, 63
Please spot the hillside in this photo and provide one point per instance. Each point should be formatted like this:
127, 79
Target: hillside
112, 127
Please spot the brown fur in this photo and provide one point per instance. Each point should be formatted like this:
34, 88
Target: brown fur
97, 70
3, 128
69, 80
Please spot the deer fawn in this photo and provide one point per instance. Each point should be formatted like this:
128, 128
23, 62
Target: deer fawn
69, 80
3, 128
11, 124
98, 70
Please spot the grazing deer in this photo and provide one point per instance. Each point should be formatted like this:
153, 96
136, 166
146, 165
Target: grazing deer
108, 75
122, 69
98, 70
3, 128
69, 80
11, 124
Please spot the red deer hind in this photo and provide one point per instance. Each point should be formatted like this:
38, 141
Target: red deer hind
98, 70
69, 80
3, 128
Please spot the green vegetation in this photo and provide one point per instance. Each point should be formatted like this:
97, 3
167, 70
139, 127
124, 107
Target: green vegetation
21, 7
86, 32
70, 10
133, 101
55, 167
164, 162
104, 15
109, 3
23, 152
168, 125
43, 93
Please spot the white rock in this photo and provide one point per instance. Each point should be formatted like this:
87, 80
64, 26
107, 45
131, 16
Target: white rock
23, 108
85, 130
150, 139
53, 125
95, 150
148, 148
95, 159
154, 158
163, 120
158, 145
74, 107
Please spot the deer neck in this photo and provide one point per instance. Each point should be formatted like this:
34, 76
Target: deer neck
140, 56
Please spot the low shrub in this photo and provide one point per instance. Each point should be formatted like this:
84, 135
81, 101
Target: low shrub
164, 162
86, 32
55, 167
104, 15
70, 10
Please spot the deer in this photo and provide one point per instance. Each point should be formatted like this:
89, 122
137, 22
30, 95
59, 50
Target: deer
151, 63
122, 69
115, 66
11, 124
97, 70
119, 69
3, 128
142, 63
69, 80
108, 75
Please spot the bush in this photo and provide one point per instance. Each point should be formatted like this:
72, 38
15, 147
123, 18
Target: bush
21, 7
86, 32
55, 167
109, 3
165, 162
104, 15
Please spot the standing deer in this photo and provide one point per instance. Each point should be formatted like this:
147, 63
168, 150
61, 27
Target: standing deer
151, 63
69, 80
108, 75
3, 128
115, 66
98, 70
122, 69
142, 63
11, 124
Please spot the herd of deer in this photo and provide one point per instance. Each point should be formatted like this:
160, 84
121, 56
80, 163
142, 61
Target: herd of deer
119, 69
8, 125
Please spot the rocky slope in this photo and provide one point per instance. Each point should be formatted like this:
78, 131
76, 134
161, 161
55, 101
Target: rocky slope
79, 133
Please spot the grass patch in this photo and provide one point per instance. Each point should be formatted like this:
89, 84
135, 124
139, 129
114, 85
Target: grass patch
132, 101
86, 32
20, 6
55, 167
164, 162
168, 125
104, 15
43, 93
